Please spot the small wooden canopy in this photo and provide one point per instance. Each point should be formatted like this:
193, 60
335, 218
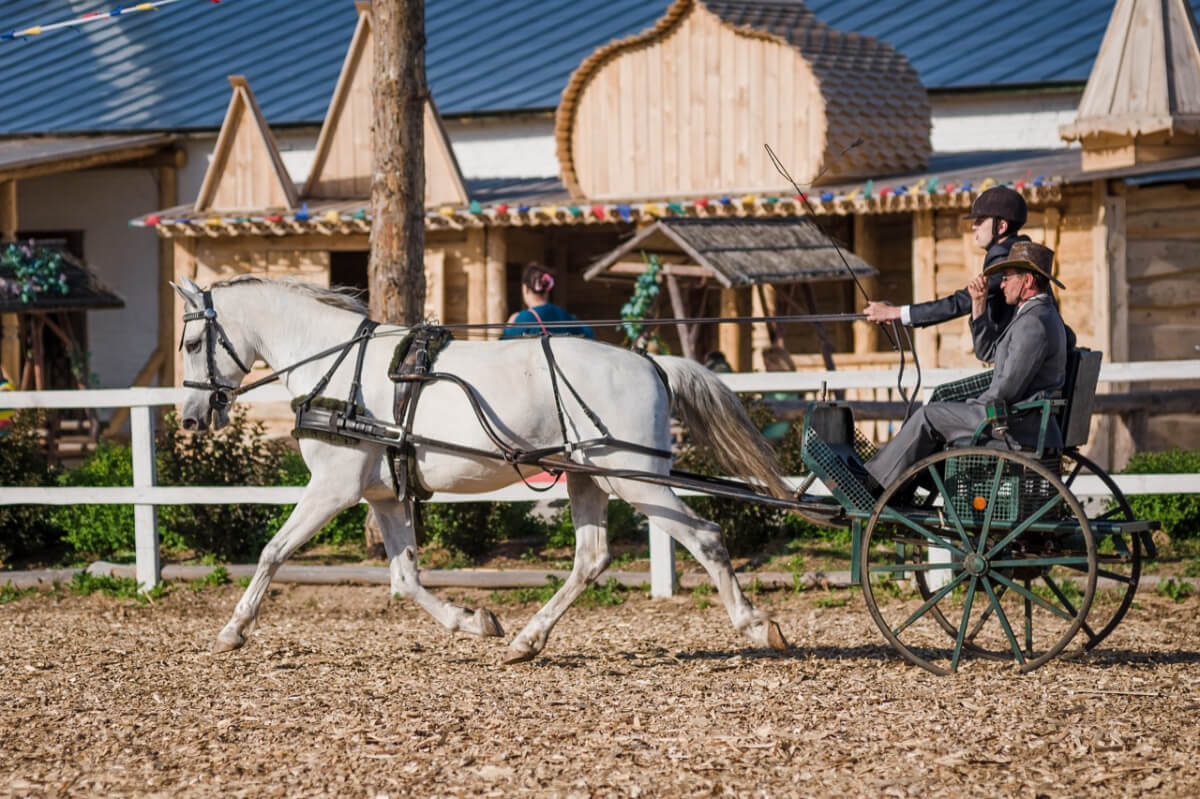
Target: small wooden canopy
342, 164
733, 252
1142, 100
246, 171
686, 106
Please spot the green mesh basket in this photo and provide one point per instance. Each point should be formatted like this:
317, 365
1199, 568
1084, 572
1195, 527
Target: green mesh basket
831, 470
1022, 491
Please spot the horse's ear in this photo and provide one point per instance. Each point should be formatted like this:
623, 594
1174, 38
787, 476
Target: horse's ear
189, 293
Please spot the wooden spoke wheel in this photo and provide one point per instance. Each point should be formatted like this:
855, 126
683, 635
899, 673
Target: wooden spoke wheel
1120, 556
1017, 569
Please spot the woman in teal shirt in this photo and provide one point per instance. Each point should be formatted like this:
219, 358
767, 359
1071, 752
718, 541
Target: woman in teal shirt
536, 284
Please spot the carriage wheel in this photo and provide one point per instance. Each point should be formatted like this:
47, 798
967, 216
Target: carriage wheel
1120, 557
1015, 535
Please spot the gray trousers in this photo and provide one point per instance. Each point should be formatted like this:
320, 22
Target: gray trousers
925, 433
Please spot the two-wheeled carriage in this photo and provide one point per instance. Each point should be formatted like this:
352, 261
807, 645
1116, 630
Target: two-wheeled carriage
986, 549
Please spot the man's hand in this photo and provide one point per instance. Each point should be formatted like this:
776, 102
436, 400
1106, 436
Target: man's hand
978, 289
881, 312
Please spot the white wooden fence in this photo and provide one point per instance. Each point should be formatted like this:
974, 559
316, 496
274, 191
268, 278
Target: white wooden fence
145, 495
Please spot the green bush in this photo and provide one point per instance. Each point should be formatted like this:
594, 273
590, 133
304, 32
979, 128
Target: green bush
238, 454
1178, 513
473, 528
345, 528
26, 530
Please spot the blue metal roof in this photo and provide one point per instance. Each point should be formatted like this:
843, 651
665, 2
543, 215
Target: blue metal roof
166, 70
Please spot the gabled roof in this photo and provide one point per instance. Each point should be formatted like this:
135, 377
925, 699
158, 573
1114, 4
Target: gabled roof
734, 252
163, 71
246, 171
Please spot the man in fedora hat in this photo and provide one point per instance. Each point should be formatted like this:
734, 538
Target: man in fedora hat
997, 216
1030, 361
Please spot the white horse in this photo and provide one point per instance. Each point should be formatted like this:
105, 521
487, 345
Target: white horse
283, 322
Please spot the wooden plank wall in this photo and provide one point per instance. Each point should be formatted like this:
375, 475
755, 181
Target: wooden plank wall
692, 112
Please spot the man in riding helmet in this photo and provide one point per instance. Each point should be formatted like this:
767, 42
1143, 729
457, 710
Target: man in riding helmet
996, 219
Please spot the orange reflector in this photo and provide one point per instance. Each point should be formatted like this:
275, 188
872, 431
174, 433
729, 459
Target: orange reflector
979, 503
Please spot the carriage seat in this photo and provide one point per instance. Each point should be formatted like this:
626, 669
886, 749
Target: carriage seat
1068, 414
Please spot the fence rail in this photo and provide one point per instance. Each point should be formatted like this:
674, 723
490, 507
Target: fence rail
145, 495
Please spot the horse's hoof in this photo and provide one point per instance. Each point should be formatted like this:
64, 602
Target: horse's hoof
489, 625
775, 638
227, 642
518, 654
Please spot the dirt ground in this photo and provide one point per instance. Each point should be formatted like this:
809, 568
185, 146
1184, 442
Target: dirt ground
343, 691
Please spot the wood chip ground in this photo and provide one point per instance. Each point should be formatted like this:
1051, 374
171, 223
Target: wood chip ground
343, 691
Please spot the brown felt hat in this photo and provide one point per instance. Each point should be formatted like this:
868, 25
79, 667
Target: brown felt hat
1030, 257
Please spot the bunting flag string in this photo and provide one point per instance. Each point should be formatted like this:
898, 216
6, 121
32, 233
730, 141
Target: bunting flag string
91, 17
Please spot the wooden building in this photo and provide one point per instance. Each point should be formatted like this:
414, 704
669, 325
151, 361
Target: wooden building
671, 124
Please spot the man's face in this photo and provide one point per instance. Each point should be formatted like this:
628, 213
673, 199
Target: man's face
981, 230
1015, 284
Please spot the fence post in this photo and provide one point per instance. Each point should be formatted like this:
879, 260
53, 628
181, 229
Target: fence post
662, 563
145, 517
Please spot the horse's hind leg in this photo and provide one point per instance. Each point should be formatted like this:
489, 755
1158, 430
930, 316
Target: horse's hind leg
320, 502
703, 539
589, 510
396, 522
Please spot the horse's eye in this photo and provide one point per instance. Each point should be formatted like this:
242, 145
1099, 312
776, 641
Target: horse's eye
193, 346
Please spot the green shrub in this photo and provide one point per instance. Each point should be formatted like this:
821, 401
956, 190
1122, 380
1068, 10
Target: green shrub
238, 454
26, 530
473, 528
1178, 513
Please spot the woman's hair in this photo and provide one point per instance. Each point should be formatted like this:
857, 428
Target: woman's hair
537, 278
777, 359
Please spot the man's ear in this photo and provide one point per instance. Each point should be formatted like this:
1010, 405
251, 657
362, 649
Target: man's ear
189, 291
1001, 228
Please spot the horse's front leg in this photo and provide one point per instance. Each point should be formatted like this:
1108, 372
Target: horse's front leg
322, 499
589, 511
400, 540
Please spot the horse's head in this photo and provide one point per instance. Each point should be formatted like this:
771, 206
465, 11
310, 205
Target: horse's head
216, 358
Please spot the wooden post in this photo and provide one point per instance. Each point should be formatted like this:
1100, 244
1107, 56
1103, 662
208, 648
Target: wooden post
145, 517
1112, 440
497, 278
475, 257
680, 312
732, 338
396, 271
10, 323
923, 266
168, 197
866, 246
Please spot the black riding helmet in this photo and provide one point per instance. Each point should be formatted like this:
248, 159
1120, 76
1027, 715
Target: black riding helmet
1000, 202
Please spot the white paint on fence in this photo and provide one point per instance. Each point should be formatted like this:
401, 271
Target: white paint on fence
144, 495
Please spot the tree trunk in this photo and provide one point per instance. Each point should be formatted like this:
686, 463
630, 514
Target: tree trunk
396, 270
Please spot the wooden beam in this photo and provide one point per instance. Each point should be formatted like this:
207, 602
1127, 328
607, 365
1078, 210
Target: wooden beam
475, 263
679, 270
924, 280
186, 264
866, 246
168, 195
680, 311
80, 162
733, 339
497, 278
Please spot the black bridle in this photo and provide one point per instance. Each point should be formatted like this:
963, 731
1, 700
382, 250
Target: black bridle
221, 395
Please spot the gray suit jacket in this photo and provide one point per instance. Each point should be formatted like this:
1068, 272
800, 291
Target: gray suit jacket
1031, 362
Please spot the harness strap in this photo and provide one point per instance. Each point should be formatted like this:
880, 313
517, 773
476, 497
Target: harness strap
366, 329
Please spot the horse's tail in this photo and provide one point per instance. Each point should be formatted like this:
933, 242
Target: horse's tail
716, 419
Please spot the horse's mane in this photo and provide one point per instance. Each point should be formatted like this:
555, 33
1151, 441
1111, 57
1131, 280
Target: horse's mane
343, 298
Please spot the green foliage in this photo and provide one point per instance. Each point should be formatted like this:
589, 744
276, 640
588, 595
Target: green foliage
84, 584
1178, 590
1192, 568
610, 594
641, 305
32, 271
832, 600
1178, 513
624, 524
26, 530
10, 593
238, 454
473, 528
215, 578
344, 529
701, 593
